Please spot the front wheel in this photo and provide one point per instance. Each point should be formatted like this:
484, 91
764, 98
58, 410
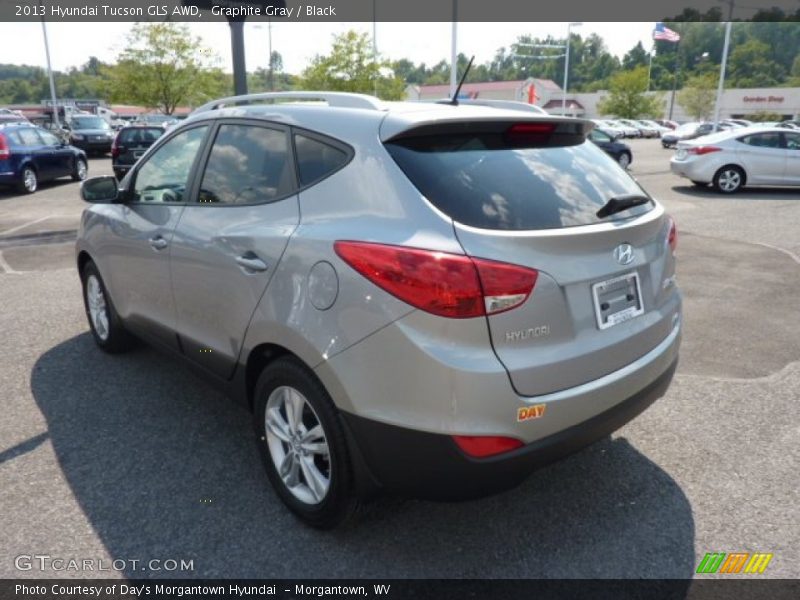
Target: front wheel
302, 445
729, 179
80, 171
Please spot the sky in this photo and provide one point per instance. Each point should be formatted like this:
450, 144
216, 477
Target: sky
71, 44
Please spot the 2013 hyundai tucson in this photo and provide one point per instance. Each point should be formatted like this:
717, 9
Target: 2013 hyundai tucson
427, 299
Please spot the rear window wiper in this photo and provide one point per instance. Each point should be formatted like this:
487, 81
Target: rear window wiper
620, 203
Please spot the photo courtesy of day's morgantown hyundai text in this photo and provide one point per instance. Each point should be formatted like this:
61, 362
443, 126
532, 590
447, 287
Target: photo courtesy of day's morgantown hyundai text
429, 299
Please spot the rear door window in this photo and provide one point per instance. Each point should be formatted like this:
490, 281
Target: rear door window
29, 138
480, 181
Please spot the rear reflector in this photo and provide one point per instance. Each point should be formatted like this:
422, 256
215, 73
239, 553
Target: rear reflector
443, 284
5, 151
700, 150
485, 446
672, 236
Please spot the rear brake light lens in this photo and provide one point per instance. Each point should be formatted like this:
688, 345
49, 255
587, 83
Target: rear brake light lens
700, 150
5, 151
521, 134
443, 284
672, 236
115, 148
485, 446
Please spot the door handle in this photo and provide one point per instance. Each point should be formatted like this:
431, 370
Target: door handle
251, 262
158, 242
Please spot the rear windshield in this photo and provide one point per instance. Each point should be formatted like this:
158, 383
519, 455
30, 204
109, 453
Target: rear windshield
482, 183
140, 135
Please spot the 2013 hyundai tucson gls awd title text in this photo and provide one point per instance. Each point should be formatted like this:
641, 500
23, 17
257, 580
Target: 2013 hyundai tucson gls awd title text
427, 299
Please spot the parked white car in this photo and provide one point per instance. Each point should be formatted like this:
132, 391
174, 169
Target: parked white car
747, 156
612, 128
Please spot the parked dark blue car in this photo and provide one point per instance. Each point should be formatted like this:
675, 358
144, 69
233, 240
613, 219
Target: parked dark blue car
29, 154
608, 143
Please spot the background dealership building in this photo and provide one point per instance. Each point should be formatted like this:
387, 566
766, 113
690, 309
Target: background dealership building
736, 103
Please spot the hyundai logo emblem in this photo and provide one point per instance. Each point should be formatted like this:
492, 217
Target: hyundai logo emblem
624, 254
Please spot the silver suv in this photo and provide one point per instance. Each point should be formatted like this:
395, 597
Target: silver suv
427, 299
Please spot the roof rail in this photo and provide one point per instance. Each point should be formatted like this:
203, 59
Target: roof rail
337, 99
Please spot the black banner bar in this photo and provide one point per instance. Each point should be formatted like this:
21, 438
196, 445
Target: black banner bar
744, 588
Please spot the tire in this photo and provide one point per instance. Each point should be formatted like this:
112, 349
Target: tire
29, 182
104, 322
317, 484
624, 160
80, 170
729, 179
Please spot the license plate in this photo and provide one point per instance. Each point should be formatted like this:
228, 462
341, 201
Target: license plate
99, 138
617, 300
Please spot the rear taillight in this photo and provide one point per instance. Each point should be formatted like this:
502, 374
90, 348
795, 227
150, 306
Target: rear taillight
485, 446
700, 150
444, 284
115, 148
5, 151
672, 236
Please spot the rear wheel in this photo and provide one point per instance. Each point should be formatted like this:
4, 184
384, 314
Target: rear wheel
29, 182
302, 445
104, 321
624, 160
729, 179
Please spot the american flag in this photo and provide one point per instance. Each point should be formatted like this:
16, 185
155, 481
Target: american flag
665, 33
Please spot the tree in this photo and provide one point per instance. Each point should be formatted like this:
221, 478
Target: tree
628, 98
698, 96
636, 57
164, 66
351, 67
751, 65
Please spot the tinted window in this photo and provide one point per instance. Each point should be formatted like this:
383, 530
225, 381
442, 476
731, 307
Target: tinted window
792, 141
598, 136
316, 159
477, 181
88, 123
28, 137
164, 176
48, 138
247, 164
763, 140
140, 135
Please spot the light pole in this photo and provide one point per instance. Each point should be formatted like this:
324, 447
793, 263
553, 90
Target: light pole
566, 69
56, 121
718, 103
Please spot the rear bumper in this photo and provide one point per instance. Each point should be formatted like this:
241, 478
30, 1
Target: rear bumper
431, 466
93, 146
702, 171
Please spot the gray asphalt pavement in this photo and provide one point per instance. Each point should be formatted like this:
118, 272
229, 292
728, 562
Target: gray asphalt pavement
132, 458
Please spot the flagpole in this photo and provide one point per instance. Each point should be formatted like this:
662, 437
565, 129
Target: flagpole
675, 79
650, 66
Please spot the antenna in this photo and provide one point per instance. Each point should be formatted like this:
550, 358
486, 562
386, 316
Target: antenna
454, 99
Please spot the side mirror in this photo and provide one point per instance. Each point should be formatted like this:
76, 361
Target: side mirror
100, 190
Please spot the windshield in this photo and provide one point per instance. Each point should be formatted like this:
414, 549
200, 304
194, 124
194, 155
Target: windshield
89, 123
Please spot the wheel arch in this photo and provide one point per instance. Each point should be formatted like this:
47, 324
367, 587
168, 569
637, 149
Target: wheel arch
735, 165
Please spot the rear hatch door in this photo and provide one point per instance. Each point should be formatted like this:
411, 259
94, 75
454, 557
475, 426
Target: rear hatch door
530, 195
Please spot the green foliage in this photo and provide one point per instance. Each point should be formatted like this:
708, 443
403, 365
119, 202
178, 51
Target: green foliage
763, 115
628, 99
163, 67
351, 67
698, 96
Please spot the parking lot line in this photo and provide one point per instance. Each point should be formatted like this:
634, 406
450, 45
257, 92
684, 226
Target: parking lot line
788, 253
23, 226
5, 266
